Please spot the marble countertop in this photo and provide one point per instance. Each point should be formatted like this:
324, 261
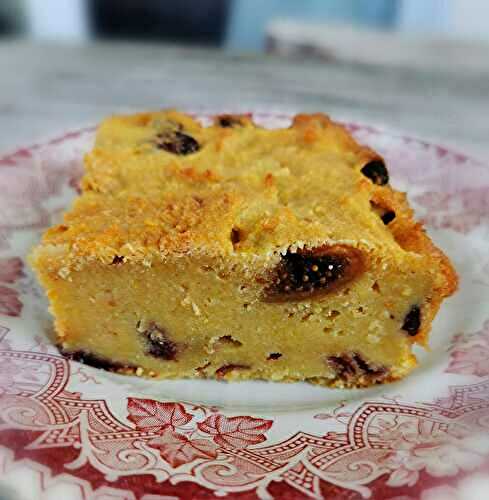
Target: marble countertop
47, 88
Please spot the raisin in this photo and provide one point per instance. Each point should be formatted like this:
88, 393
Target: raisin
95, 360
157, 343
376, 172
274, 355
236, 236
412, 321
224, 370
310, 272
117, 260
351, 367
388, 216
200, 370
225, 341
228, 121
343, 366
177, 142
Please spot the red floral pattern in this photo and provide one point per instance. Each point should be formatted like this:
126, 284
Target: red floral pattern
10, 304
176, 439
151, 415
14, 375
10, 272
462, 210
178, 449
30, 177
400, 442
337, 414
470, 353
422, 445
235, 432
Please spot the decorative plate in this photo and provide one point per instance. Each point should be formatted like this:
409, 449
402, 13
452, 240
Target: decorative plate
71, 431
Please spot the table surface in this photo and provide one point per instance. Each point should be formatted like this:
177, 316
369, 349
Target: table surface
47, 88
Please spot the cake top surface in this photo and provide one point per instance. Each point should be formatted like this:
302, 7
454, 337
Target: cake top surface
159, 184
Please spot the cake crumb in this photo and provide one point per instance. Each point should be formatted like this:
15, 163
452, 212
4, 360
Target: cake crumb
64, 272
373, 339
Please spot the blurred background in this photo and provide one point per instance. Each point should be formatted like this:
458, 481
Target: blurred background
417, 65
445, 34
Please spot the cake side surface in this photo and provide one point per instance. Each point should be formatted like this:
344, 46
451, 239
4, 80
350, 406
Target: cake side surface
277, 254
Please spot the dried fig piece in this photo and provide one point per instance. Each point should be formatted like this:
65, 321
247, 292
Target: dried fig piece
349, 367
97, 361
308, 273
177, 142
224, 370
412, 321
157, 342
229, 121
388, 216
273, 356
377, 172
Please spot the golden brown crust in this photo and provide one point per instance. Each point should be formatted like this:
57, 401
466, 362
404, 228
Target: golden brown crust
137, 196
411, 236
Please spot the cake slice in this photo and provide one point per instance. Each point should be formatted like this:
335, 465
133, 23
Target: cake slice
237, 252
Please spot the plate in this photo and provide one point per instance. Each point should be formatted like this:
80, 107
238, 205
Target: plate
71, 431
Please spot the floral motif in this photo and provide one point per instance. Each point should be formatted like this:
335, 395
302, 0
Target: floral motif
176, 440
421, 444
151, 415
40, 344
461, 211
12, 375
190, 443
7, 384
10, 305
10, 272
32, 179
178, 449
336, 414
470, 353
235, 432
84, 377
